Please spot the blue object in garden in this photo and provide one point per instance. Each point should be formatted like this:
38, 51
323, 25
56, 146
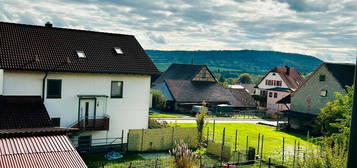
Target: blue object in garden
113, 155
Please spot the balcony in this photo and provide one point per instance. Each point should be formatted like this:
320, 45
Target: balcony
98, 123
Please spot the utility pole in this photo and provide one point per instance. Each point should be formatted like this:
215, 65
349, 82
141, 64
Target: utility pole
352, 149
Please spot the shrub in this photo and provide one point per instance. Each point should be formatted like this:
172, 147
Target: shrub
158, 100
155, 124
183, 156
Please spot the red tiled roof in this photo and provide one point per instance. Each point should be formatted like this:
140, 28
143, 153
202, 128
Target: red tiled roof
39, 152
39, 48
290, 76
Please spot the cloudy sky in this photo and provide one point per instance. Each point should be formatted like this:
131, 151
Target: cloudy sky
323, 28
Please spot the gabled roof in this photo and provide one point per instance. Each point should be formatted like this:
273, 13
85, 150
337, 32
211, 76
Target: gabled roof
285, 100
343, 72
290, 76
243, 98
188, 91
39, 48
23, 112
180, 72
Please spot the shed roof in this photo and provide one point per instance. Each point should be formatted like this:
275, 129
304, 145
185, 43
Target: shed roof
243, 97
23, 112
41, 152
343, 72
39, 48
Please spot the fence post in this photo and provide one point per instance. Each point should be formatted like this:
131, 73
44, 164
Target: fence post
282, 162
142, 140
127, 141
298, 152
269, 162
235, 141
246, 145
214, 127
172, 137
222, 147
294, 153
207, 134
258, 143
262, 147
122, 141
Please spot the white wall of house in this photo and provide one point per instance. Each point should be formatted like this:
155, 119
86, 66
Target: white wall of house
129, 112
1, 81
270, 76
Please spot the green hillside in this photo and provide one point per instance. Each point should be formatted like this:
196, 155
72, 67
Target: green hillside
231, 63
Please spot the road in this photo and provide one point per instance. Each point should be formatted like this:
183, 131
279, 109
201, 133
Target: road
218, 120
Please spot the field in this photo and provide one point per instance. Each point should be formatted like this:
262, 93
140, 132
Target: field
273, 140
163, 115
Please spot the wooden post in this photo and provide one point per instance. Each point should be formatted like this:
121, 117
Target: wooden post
142, 140
122, 141
235, 141
246, 145
207, 133
214, 127
222, 147
282, 163
262, 147
258, 143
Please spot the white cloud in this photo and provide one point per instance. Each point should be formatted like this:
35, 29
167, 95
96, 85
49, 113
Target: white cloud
326, 29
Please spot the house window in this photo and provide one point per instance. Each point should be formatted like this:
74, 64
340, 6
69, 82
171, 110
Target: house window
117, 89
118, 50
322, 77
323, 93
270, 94
81, 54
275, 95
56, 122
54, 88
279, 83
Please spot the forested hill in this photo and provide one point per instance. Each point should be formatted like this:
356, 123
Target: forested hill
231, 63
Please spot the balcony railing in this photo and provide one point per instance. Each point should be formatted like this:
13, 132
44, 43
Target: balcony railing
97, 123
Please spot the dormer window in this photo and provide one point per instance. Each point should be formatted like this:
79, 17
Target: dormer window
118, 50
81, 54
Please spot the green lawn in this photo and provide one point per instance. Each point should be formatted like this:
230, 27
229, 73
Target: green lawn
272, 146
163, 115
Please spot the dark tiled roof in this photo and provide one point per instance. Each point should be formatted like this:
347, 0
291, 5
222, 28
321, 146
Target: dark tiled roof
23, 112
22, 132
243, 97
187, 91
180, 72
344, 73
249, 87
39, 48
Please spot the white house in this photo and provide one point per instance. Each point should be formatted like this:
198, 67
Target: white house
278, 80
98, 82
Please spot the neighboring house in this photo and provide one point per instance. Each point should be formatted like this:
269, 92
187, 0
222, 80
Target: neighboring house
279, 77
97, 82
28, 138
248, 87
273, 96
185, 85
318, 89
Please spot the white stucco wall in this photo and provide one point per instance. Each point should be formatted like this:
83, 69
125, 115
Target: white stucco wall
1, 81
129, 112
270, 76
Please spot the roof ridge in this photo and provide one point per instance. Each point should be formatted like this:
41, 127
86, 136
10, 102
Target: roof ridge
64, 29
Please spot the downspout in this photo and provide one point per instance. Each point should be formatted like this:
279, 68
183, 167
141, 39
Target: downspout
43, 86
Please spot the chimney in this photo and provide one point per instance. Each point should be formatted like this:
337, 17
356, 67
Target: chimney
48, 24
287, 70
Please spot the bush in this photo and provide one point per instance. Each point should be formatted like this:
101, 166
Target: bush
158, 100
183, 156
155, 124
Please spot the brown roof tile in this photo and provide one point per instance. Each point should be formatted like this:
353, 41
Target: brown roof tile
39, 48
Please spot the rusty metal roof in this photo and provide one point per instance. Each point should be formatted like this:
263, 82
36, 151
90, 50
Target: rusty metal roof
42, 151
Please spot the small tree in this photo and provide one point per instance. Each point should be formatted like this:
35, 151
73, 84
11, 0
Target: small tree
335, 117
245, 78
200, 120
158, 100
183, 156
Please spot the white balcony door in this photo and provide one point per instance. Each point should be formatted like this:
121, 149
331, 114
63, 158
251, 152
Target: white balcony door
87, 107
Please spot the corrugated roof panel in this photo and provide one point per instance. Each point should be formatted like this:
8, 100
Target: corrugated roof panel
41, 151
